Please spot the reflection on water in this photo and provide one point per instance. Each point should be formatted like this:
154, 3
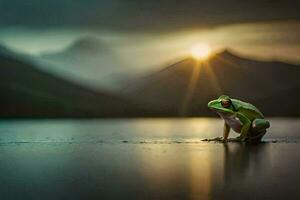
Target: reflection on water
241, 159
219, 171
61, 160
201, 175
241, 162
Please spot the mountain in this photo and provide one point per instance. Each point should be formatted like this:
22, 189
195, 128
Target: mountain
281, 104
184, 88
87, 60
181, 89
29, 92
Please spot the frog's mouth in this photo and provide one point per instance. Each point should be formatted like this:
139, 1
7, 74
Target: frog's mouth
220, 110
222, 113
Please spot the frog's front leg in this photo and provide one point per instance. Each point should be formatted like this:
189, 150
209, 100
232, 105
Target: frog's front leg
226, 131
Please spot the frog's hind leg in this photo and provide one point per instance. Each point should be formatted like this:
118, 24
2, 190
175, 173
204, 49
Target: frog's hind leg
260, 124
258, 129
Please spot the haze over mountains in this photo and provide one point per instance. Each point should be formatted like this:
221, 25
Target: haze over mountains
88, 60
181, 89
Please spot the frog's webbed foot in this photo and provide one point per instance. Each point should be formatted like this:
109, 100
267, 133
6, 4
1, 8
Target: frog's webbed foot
216, 139
237, 139
222, 140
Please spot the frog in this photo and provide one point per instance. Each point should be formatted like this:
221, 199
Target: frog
242, 117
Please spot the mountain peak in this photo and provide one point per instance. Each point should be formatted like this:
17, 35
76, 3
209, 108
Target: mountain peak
88, 44
228, 53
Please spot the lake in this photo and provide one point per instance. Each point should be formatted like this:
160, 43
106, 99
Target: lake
145, 159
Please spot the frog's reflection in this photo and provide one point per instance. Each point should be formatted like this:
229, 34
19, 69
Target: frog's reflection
243, 161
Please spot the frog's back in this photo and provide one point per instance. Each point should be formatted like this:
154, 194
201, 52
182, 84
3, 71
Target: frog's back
247, 109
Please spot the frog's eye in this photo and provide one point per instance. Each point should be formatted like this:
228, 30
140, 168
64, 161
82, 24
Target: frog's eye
226, 103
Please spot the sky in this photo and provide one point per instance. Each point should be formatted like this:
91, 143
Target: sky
137, 15
152, 33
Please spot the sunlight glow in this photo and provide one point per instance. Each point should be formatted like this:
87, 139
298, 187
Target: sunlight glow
201, 51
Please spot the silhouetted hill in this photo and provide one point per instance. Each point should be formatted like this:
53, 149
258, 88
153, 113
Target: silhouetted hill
29, 92
280, 104
184, 88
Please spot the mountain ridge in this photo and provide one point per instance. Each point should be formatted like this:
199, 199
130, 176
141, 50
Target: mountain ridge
185, 87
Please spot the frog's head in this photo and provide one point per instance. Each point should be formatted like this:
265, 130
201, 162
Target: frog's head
222, 105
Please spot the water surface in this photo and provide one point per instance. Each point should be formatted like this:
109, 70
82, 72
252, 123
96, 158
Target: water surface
145, 159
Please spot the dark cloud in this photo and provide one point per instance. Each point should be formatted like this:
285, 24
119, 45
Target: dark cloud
142, 15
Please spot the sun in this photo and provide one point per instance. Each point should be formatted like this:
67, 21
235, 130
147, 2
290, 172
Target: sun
201, 51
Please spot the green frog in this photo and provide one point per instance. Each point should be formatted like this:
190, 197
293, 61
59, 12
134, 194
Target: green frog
242, 117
